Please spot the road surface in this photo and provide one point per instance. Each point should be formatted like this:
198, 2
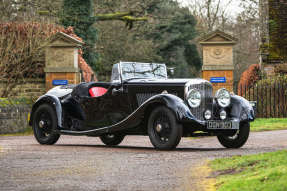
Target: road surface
84, 163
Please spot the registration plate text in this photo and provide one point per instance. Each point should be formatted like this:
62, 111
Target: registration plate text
222, 125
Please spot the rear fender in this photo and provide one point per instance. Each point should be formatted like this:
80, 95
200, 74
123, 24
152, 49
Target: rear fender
51, 100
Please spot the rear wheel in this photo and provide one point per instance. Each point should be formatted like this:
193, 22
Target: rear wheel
112, 139
238, 139
163, 129
44, 124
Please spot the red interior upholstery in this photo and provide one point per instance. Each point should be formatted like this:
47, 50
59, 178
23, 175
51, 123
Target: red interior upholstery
97, 91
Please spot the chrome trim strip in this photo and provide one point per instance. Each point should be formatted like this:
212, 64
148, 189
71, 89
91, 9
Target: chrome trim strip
108, 127
120, 71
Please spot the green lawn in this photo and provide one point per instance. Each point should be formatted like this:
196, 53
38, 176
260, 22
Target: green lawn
269, 124
264, 172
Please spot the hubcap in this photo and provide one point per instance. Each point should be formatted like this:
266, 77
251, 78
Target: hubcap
41, 124
44, 124
110, 136
162, 128
234, 136
158, 128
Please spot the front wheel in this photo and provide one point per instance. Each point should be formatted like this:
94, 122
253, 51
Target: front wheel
112, 139
236, 140
163, 129
44, 125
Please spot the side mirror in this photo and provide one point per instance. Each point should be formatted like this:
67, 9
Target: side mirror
171, 71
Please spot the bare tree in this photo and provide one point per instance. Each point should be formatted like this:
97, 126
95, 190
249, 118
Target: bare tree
210, 14
245, 26
246, 52
22, 55
24, 10
20, 52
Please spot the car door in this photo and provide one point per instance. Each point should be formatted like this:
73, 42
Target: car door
107, 104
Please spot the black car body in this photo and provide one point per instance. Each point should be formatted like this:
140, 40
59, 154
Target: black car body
141, 100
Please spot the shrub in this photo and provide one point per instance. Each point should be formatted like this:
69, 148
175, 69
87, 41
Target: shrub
22, 51
7, 102
248, 78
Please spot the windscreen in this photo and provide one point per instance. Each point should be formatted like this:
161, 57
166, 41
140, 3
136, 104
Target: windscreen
143, 70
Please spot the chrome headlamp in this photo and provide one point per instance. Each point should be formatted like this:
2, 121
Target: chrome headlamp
193, 98
223, 97
207, 114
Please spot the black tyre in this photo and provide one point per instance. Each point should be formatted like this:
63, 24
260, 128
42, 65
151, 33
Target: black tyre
236, 140
163, 129
112, 139
44, 125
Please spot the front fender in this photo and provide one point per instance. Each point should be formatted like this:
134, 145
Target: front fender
174, 103
241, 109
51, 100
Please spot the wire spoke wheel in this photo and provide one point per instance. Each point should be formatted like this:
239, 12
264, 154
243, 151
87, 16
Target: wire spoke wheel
163, 129
44, 125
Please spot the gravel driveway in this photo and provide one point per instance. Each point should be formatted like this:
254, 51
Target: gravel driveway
84, 163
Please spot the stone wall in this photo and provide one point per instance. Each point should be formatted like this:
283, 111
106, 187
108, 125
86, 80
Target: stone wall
14, 118
27, 88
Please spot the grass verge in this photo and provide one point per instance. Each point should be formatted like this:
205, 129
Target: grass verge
264, 172
268, 124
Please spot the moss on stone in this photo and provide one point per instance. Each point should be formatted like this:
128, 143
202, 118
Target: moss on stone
7, 102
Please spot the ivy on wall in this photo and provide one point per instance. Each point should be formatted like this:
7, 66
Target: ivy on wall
9, 102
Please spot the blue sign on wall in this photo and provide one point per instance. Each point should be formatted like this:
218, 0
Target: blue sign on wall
218, 80
59, 82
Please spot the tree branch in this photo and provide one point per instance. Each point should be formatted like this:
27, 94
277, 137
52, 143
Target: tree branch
122, 16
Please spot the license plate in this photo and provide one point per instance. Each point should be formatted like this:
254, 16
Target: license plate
222, 125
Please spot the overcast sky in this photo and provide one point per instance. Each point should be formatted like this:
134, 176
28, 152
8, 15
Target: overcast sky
234, 8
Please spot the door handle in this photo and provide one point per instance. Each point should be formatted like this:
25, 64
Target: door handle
116, 91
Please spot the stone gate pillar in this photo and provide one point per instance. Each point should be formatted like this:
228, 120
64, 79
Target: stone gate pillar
218, 59
61, 61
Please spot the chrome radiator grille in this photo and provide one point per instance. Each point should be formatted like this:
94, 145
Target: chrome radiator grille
206, 102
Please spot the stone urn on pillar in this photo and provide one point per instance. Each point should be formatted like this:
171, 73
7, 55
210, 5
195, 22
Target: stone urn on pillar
218, 64
61, 61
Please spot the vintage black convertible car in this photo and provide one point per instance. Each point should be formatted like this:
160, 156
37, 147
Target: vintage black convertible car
141, 100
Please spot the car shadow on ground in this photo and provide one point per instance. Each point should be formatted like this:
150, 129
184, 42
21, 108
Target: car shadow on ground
123, 147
